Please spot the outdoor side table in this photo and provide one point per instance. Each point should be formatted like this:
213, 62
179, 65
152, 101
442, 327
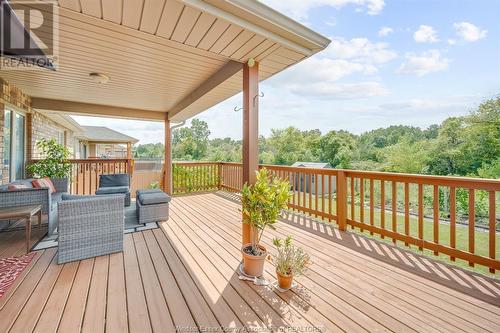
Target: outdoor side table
26, 213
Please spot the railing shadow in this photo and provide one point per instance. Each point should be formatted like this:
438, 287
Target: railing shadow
471, 283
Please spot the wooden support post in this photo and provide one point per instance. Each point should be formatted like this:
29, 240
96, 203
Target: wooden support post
250, 131
129, 150
341, 200
167, 166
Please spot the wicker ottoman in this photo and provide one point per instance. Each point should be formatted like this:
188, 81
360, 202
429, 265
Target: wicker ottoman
152, 206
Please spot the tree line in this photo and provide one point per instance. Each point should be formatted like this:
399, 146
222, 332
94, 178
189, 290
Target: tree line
464, 146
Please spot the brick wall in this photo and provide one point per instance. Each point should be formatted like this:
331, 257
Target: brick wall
45, 128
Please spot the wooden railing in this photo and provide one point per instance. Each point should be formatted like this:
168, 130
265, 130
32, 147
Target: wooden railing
85, 172
84, 176
454, 217
448, 216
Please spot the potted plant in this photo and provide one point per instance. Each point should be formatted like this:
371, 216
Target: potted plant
262, 204
290, 261
54, 164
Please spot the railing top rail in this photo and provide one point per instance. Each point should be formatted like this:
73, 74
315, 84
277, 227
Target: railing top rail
455, 181
91, 160
195, 163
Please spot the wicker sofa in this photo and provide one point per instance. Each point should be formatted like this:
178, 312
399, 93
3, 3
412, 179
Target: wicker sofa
31, 195
89, 226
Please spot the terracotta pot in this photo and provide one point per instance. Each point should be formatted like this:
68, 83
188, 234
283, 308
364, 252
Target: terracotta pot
285, 281
253, 265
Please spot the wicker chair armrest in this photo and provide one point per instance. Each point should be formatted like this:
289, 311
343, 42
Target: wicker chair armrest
26, 196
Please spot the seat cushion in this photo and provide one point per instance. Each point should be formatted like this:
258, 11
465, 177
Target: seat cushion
67, 197
121, 179
138, 193
112, 190
154, 198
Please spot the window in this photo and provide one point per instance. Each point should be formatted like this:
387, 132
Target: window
14, 144
60, 137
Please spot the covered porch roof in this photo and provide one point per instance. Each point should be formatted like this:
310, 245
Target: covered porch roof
175, 57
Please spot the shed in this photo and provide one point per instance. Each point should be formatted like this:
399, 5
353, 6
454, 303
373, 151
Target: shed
302, 182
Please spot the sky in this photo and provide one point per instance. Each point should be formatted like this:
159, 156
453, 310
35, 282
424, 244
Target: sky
390, 62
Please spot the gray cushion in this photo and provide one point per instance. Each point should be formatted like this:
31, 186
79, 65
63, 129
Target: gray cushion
148, 190
26, 182
154, 198
112, 190
66, 197
121, 179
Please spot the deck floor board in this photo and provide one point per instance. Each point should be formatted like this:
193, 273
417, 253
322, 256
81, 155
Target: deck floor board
184, 275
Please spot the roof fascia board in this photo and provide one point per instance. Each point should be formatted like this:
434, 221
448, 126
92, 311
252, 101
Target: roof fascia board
225, 15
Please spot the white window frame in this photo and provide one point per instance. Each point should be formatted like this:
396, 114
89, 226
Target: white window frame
14, 150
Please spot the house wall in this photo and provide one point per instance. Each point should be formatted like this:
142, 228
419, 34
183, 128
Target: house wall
37, 125
14, 97
45, 128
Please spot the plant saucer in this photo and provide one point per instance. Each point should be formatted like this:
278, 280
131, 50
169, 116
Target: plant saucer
242, 272
276, 286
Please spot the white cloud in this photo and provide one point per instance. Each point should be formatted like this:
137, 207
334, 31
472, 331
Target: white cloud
341, 91
385, 31
361, 50
424, 63
468, 32
318, 76
452, 41
425, 34
299, 9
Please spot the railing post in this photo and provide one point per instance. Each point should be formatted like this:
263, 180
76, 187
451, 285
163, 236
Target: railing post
341, 200
219, 175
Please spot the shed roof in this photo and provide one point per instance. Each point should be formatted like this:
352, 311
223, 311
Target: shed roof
311, 165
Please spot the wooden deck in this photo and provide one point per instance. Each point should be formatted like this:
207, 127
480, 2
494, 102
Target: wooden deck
184, 275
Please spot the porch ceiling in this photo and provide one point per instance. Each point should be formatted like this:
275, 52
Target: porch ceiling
171, 56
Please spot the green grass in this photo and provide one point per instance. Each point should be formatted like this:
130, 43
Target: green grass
462, 231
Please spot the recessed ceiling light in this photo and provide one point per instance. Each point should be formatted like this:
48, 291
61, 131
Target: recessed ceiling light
99, 77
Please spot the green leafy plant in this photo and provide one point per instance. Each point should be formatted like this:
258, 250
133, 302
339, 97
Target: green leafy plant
262, 204
290, 260
154, 185
55, 162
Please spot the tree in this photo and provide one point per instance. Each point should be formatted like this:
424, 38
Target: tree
336, 148
406, 156
150, 150
191, 143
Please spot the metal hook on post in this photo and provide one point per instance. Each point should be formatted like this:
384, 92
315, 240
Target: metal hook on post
261, 94
236, 109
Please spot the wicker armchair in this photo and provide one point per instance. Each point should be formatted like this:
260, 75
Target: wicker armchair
90, 226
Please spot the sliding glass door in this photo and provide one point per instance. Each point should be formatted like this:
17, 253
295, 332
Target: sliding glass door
14, 144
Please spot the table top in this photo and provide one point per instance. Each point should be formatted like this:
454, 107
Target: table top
19, 211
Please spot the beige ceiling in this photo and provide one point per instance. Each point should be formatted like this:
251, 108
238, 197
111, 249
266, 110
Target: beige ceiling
157, 52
